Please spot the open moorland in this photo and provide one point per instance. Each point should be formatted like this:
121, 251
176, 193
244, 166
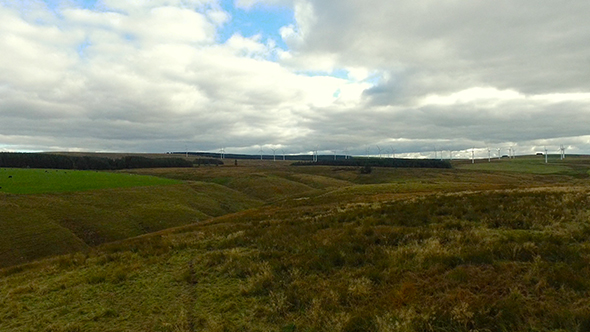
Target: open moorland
265, 246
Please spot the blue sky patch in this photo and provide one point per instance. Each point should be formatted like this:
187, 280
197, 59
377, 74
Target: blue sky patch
338, 73
81, 49
54, 4
264, 20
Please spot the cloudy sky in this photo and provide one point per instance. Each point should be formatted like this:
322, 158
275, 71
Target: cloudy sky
409, 75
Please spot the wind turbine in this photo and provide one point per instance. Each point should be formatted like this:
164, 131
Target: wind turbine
562, 150
316, 153
473, 155
274, 154
545, 154
489, 155
510, 152
499, 153
378, 148
283, 154
222, 153
261, 152
392, 152
345, 153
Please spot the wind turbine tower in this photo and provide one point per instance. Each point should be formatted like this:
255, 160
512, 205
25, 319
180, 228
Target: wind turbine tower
562, 150
473, 155
283, 154
315, 154
274, 154
545, 155
489, 155
378, 148
392, 152
261, 152
499, 153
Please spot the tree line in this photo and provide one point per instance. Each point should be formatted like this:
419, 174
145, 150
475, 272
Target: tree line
55, 161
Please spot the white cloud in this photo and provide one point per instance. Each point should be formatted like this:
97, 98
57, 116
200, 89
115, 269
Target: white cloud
473, 95
247, 46
171, 25
294, 34
218, 16
134, 6
358, 73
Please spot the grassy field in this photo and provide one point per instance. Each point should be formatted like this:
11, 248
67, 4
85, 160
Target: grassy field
335, 250
37, 181
35, 225
573, 165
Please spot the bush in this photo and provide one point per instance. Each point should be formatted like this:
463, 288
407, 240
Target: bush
366, 169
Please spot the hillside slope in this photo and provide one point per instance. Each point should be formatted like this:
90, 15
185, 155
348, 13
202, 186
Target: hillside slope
507, 260
35, 226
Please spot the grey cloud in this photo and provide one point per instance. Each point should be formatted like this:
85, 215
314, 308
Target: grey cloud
530, 46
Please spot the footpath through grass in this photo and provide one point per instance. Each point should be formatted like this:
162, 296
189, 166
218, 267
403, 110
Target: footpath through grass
37, 181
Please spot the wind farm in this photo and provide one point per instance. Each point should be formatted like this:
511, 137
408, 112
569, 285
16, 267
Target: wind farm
473, 155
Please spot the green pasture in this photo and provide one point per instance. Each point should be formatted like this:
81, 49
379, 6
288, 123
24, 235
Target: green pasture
532, 165
37, 181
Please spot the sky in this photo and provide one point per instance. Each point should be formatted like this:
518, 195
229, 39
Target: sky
412, 76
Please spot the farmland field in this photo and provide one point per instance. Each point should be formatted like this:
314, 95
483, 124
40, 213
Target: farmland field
533, 165
36, 181
280, 248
